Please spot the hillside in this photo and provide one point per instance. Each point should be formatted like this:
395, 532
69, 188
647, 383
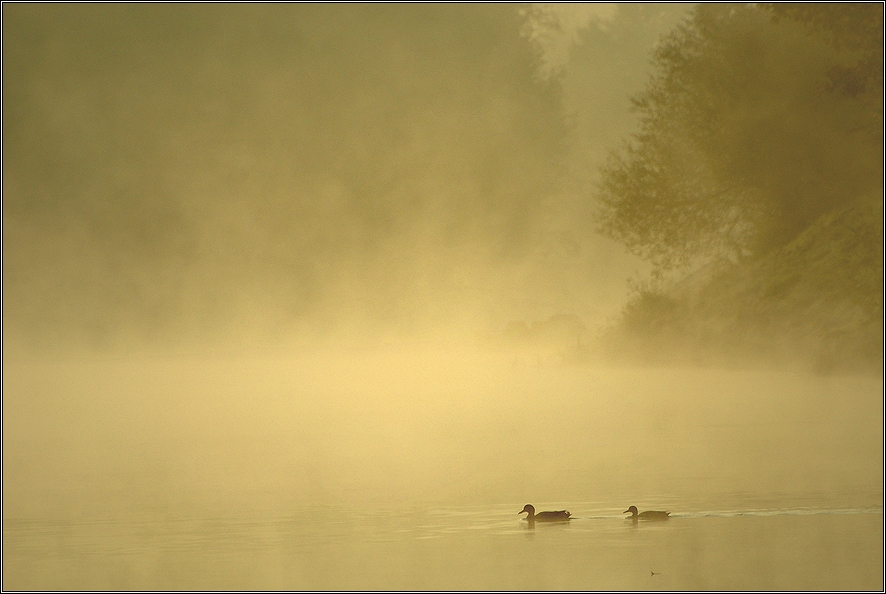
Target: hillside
815, 303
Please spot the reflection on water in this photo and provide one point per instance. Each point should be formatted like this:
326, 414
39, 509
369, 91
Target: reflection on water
382, 475
477, 547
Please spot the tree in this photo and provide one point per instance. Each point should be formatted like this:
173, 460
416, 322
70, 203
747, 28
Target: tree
855, 29
743, 142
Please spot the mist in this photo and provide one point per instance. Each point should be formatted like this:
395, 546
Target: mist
343, 275
184, 173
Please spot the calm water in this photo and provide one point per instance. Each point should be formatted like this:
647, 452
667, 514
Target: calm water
407, 472
482, 547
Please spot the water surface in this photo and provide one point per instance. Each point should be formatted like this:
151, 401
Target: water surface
404, 471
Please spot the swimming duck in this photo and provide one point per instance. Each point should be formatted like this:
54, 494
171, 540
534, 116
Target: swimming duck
647, 515
545, 516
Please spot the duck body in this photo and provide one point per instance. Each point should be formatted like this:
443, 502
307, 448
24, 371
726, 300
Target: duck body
647, 515
545, 516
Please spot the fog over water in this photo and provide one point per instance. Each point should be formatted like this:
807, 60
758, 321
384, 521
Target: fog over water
406, 470
251, 173
316, 297
393, 428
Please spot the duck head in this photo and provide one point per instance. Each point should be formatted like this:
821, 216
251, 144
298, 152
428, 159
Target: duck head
529, 509
631, 510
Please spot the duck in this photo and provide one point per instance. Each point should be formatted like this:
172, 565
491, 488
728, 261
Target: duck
545, 516
647, 515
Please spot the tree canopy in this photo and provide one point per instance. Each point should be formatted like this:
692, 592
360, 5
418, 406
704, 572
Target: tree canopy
757, 122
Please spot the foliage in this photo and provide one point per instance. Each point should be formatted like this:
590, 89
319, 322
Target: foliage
855, 29
745, 140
